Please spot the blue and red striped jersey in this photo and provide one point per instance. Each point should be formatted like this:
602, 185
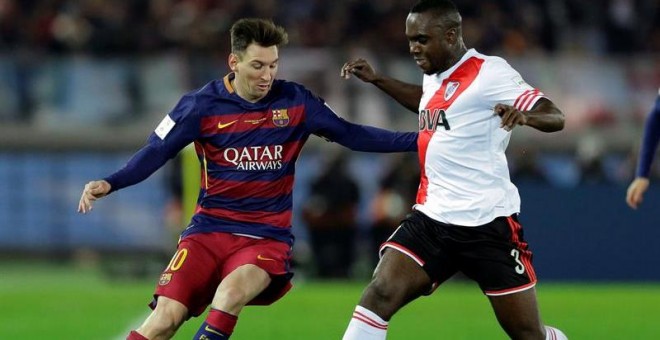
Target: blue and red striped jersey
248, 152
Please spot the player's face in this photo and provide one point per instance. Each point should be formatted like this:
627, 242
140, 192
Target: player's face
255, 70
428, 42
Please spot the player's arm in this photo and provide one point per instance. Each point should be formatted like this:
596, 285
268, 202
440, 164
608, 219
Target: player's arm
544, 116
322, 121
368, 138
178, 129
650, 140
143, 163
408, 95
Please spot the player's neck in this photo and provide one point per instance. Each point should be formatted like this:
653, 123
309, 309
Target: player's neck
458, 53
238, 88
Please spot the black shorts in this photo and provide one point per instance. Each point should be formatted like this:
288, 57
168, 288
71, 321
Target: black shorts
495, 255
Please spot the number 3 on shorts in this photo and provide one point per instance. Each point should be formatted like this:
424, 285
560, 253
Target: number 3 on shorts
177, 260
520, 268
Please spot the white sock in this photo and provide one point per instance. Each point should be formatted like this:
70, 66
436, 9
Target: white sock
365, 325
552, 333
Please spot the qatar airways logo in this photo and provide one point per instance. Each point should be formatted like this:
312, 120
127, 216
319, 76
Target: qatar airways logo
254, 158
430, 120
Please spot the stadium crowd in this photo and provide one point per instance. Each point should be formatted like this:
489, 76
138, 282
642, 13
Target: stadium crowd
142, 26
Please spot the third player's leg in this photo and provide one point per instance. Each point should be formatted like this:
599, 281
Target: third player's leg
518, 314
397, 280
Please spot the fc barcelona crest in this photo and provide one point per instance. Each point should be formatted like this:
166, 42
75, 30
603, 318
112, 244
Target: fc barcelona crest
165, 279
280, 117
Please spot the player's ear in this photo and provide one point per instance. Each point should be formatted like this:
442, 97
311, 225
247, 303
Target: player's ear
452, 35
232, 60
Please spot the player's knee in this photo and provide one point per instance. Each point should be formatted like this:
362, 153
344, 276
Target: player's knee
385, 294
230, 298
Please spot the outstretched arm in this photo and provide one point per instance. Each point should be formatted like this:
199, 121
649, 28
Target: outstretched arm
544, 116
144, 163
370, 139
178, 129
406, 94
323, 122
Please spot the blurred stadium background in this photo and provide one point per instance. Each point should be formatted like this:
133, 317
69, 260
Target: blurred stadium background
82, 83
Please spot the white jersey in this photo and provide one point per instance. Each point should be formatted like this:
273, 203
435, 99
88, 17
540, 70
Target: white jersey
464, 172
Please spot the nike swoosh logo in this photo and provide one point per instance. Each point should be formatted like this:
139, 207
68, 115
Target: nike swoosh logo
211, 330
222, 126
259, 257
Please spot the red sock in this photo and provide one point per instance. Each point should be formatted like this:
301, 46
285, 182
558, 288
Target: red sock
133, 335
222, 321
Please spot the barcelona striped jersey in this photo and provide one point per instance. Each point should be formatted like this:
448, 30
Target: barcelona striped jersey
247, 152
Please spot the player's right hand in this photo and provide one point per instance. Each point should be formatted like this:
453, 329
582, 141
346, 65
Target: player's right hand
360, 68
636, 190
92, 191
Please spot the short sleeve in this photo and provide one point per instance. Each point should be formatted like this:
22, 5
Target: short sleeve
501, 84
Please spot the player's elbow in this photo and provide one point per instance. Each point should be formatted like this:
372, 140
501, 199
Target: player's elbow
560, 121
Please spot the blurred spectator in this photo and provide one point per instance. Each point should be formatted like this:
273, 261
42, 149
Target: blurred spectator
107, 26
331, 213
589, 157
524, 164
394, 199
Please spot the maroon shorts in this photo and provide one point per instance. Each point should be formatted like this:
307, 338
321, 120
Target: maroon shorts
203, 260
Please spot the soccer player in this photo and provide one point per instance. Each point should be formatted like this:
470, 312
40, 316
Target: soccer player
466, 212
640, 184
248, 130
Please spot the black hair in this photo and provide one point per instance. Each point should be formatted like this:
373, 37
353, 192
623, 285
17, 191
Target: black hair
253, 30
445, 10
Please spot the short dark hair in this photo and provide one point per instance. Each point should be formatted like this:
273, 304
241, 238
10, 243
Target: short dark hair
254, 30
445, 10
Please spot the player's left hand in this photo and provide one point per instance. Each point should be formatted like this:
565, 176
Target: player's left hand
359, 68
92, 191
511, 117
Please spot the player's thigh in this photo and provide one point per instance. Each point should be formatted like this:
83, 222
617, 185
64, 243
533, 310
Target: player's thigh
272, 257
191, 277
422, 247
400, 273
241, 286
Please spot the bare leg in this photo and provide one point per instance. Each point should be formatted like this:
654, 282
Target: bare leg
165, 319
518, 315
240, 287
397, 280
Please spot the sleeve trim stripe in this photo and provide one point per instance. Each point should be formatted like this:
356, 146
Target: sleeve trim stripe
527, 100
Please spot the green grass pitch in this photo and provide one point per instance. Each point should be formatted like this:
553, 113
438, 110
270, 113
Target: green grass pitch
61, 302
